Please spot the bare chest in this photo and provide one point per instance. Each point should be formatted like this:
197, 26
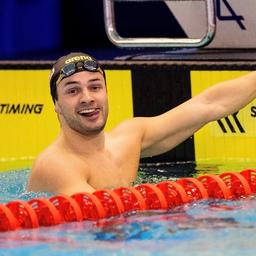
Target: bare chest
111, 171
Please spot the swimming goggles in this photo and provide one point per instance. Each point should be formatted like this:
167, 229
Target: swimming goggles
74, 67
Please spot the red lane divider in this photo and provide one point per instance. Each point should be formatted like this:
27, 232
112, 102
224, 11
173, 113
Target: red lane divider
250, 176
7, 219
106, 203
194, 188
153, 196
46, 212
90, 205
131, 199
24, 213
237, 183
110, 201
68, 208
215, 186
174, 193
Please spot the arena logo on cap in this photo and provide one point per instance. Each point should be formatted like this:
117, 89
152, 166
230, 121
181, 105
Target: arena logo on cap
78, 58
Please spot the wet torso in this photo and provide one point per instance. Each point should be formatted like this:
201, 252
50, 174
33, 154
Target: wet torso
114, 166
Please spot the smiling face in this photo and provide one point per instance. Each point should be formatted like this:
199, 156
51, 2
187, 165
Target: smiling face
82, 103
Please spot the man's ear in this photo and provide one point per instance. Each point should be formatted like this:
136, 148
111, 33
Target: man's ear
57, 108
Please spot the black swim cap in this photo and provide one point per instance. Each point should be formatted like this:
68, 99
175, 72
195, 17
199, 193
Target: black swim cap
67, 65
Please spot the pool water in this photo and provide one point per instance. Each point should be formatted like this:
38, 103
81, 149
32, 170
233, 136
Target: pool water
206, 227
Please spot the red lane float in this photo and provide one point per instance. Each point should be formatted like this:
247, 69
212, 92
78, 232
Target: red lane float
174, 193
110, 201
153, 196
194, 188
236, 183
46, 212
24, 214
68, 208
90, 205
131, 199
107, 203
7, 219
250, 176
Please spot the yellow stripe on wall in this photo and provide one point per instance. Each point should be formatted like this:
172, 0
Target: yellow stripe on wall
24, 135
234, 138
119, 85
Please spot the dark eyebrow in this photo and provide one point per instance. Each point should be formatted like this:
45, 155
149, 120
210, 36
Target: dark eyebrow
68, 83
94, 80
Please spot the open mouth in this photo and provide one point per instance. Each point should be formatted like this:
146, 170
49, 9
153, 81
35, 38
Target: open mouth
89, 112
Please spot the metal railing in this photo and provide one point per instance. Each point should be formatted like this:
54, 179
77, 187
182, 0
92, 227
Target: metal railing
115, 38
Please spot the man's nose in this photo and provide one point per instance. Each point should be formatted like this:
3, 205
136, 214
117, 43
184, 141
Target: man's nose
86, 96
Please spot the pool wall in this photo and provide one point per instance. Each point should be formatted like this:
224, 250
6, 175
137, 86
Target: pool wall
135, 88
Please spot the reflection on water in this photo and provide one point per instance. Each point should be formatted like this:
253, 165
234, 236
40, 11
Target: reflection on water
231, 216
154, 173
157, 172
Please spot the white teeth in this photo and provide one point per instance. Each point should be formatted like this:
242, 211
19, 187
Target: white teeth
86, 111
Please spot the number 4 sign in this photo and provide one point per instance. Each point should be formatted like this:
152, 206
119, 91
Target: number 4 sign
233, 16
235, 21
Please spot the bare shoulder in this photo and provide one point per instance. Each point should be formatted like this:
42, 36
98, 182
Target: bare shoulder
50, 157
49, 170
42, 167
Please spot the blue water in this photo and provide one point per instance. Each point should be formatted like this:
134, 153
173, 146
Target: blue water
207, 227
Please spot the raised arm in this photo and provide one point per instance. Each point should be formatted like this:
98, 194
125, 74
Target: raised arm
162, 133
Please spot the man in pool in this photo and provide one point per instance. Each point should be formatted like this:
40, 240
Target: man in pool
85, 158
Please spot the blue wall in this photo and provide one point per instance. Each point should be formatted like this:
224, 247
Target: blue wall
29, 26
47, 29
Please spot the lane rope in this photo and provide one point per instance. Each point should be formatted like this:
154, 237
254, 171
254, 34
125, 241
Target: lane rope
106, 203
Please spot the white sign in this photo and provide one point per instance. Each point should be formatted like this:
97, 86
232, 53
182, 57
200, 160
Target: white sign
235, 21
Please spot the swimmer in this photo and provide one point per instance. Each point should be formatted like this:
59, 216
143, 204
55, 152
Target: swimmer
85, 158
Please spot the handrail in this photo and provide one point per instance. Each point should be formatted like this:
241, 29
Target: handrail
115, 38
